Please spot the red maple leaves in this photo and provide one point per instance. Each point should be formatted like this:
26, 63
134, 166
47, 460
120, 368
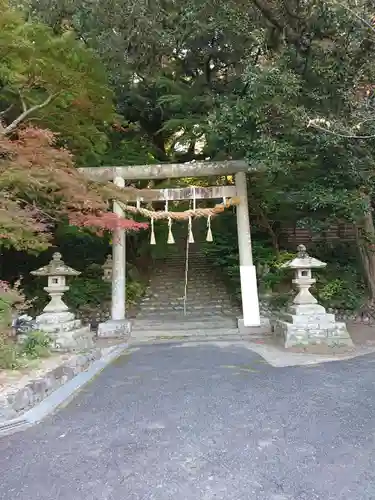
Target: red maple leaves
40, 186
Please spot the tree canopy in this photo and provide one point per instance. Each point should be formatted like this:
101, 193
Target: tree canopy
287, 84
53, 81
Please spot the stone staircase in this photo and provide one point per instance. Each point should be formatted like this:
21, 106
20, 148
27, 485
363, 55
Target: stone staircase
208, 312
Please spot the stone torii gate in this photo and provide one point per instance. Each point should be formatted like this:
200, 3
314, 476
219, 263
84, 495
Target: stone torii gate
118, 324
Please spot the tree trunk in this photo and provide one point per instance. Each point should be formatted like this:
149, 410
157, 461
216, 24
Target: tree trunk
365, 236
264, 221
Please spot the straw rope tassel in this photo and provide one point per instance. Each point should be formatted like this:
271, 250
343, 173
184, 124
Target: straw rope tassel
152, 239
191, 236
190, 232
209, 232
170, 235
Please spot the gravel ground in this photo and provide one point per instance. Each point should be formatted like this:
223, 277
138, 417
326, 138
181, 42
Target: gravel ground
203, 422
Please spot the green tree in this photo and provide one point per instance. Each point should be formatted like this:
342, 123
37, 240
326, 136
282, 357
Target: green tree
53, 81
319, 72
167, 61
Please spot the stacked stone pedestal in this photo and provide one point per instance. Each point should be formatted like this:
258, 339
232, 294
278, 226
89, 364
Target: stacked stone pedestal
310, 324
307, 323
66, 332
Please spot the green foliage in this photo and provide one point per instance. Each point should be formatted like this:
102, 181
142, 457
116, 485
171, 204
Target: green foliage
135, 291
128, 143
81, 248
341, 284
272, 277
13, 356
334, 291
88, 290
7, 300
53, 79
12, 299
36, 345
9, 355
167, 60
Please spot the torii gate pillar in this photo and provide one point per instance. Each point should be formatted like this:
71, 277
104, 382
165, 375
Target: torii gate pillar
117, 325
249, 289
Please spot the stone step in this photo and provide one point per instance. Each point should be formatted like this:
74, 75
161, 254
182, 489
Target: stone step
199, 313
189, 307
174, 302
181, 263
198, 275
205, 285
171, 292
181, 334
180, 279
178, 317
182, 269
189, 316
207, 302
181, 266
209, 313
178, 295
193, 296
180, 306
201, 289
175, 324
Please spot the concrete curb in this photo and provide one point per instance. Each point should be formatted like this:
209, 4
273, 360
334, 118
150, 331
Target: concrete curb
277, 358
61, 396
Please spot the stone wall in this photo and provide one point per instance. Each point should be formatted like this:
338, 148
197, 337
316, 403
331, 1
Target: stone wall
14, 403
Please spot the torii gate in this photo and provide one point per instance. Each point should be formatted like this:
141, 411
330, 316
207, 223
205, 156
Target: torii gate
118, 324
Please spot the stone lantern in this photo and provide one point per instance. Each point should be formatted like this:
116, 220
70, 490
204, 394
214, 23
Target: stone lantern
66, 332
306, 322
107, 269
56, 272
303, 265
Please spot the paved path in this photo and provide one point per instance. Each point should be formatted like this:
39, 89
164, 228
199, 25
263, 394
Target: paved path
202, 423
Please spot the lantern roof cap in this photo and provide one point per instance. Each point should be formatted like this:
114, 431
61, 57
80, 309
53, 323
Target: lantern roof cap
303, 260
108, 262
56, 267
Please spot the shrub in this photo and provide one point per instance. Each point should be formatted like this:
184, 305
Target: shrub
36, 345
89, 289
134, 291
12, 300
9, 355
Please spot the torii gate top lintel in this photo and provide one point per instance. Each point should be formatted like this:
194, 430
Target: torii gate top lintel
167, 170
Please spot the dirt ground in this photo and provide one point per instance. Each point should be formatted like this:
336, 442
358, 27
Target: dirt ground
361, 334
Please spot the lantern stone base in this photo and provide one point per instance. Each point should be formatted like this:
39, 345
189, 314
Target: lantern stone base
66, 332
310, 324
112, 328
263, 329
